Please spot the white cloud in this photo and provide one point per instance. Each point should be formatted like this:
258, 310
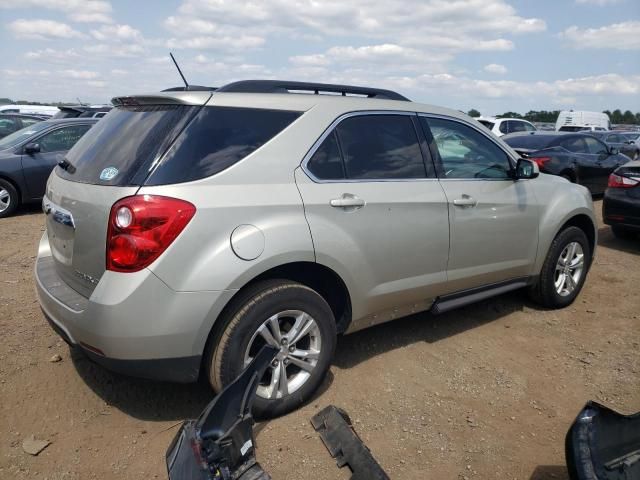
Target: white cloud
600, 3
79, 74
452, 25
495, 68
621, 36
117, 50
85, 11
117, 33
42, 29
50, 55
240, 42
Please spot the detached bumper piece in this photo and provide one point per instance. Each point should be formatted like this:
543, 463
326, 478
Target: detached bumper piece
343, 443
220, 445
603, 445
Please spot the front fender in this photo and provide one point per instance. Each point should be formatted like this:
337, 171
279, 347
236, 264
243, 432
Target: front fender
561, 204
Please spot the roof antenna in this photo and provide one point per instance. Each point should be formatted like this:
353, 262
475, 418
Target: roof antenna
80, 102
186, 85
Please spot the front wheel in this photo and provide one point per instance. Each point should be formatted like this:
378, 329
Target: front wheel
564, 270
289, 316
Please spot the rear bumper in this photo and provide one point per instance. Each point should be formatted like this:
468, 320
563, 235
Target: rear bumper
620, 208
132, 323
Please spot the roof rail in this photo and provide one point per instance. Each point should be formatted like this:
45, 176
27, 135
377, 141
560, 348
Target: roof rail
190, 88
283, 86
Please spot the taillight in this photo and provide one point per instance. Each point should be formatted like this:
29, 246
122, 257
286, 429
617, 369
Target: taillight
540, 160
141, 228
618, 181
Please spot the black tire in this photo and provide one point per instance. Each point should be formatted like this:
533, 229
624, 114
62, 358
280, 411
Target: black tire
544, 290
623, 233
14, 198
224, 359
566, 176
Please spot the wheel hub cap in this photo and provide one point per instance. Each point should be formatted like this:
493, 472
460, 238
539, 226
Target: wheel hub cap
297, 337
569, 269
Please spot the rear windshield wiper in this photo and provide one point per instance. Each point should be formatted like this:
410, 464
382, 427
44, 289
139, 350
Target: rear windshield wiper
66, 165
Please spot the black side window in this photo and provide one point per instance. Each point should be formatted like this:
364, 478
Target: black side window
465, 152
380, 147
517, 126
596, 147
62, 139
504, 127
575, 144
217, 138
326, 163
8, 125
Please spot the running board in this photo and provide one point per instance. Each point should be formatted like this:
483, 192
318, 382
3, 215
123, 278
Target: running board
465, 297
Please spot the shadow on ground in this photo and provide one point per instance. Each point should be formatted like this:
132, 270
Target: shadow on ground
550, 472
424, 327
161, 401
151, 400
607, 239
28, 209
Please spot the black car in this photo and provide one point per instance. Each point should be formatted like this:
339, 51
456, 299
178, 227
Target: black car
621, 204
619, 141
83, 111
28, 156
578, 157
12, 122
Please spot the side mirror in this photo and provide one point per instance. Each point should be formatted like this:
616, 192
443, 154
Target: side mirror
613, 151
31, 148
526, 169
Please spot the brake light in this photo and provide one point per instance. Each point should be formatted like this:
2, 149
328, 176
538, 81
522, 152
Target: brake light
618, 181
540, 160
142, 227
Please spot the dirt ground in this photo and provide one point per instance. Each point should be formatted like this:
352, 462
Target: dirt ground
484, 392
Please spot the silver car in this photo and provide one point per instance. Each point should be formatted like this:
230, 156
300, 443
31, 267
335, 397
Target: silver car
188, 229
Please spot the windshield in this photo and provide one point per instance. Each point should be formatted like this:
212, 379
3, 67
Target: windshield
16, 138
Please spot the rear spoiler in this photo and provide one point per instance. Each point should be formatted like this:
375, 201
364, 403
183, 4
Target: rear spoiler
197, 98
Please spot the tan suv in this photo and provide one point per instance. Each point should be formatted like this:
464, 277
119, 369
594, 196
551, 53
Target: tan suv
188, 229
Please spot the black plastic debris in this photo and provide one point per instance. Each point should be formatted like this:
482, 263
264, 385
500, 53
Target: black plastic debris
603, 445
343, 443
220, 444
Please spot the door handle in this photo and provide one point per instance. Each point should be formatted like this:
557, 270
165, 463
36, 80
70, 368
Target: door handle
465, 201
347, 200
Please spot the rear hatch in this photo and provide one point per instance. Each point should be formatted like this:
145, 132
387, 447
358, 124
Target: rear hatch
110, 162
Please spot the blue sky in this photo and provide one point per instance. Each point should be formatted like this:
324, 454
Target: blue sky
493, 55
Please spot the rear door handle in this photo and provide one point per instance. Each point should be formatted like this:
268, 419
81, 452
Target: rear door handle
465, 201
347, 200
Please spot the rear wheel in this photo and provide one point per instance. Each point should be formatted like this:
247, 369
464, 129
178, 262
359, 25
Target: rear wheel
9, 199
289, 316
564, 270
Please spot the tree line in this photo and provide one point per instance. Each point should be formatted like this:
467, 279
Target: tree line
546, 116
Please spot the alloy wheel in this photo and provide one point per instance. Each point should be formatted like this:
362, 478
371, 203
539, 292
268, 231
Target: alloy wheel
569, 269
5, 199
297, 336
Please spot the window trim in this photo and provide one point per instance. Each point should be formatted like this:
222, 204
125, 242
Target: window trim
361, 113
438, 161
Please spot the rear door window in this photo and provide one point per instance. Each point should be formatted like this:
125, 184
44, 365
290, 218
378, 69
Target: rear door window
217, 138
596, 147
515, 126
380, 147
326, 163
504, 127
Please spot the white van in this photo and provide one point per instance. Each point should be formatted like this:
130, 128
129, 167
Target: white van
33, 109
570, 121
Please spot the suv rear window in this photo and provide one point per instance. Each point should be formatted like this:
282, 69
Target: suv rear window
217, 138
127, 147
120, 148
